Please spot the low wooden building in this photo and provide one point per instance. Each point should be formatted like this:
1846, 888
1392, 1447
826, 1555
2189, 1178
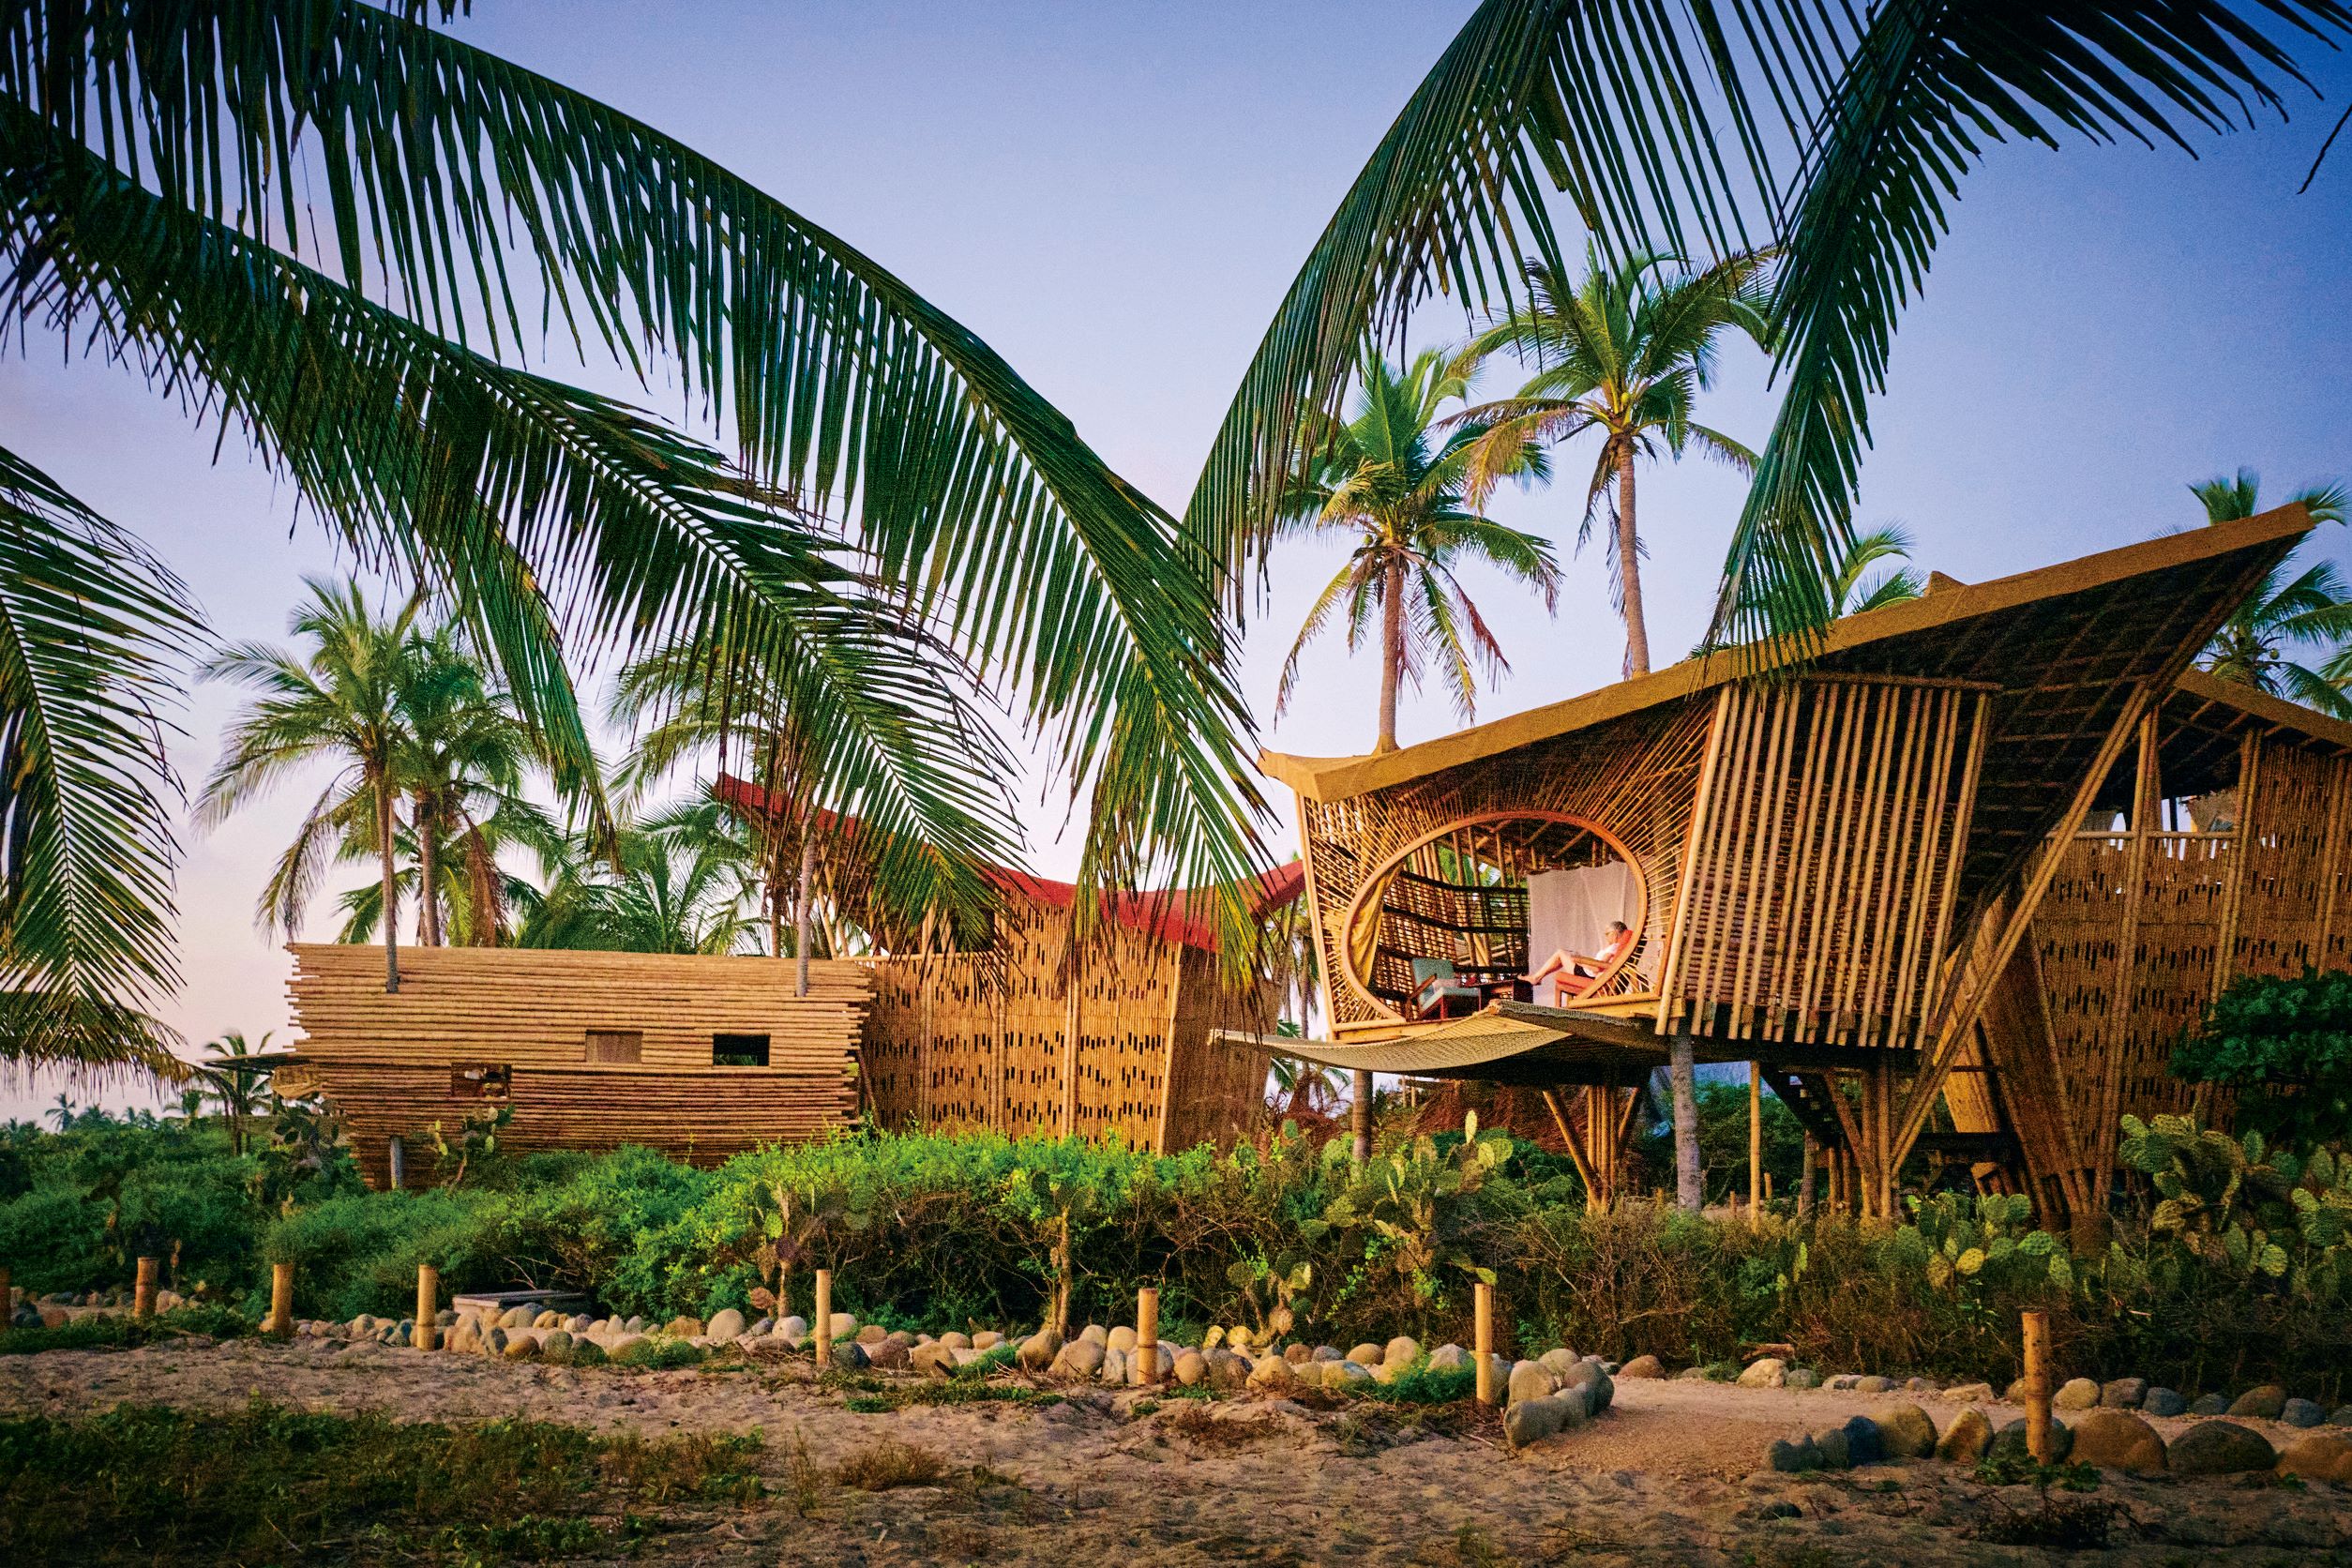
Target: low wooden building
1832, 866
698, 1057
706, 1057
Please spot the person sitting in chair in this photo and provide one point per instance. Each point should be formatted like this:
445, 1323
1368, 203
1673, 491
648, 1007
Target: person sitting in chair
1573, 973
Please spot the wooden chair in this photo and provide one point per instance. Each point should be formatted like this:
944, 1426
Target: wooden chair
1438, 994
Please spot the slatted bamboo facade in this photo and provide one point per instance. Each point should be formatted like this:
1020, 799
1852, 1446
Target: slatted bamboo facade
2151, 917
1887, 860
394, 1064
983, 1040
1125, 1038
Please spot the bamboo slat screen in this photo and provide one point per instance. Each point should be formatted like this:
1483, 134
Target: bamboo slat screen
1821, 879
1632, 778
386, 1060
979, 1040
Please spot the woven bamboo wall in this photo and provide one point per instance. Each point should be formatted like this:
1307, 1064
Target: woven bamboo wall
384, 1059
1819, 891
979, 1040
1632, 779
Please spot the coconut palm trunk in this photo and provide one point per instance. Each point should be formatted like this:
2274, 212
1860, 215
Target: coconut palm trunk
391, 886
1686, 1188
1629, 571
1360, 1119
804, 916
1392, 649
428, 932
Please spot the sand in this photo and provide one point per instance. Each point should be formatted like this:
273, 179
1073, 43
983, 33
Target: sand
1670, 1475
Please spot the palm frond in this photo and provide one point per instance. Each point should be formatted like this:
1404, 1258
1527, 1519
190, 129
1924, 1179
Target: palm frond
91, 630
845, 389
1631, 105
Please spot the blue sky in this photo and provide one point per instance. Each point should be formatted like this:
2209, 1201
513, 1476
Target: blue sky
1115, 198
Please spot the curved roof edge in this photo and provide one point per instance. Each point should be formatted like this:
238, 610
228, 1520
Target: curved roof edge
1331, 778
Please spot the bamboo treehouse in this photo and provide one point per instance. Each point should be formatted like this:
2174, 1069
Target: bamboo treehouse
1915, 871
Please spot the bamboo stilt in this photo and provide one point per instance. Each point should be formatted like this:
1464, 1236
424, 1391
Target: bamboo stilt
1483, 1337
1147, 1334
1755, 1141
2037, 1336
820, 1323
282, 1299
143, 1293
428, 1304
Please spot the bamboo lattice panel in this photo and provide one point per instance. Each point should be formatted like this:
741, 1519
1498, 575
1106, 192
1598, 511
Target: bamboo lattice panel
1632, 780
980, 1040
1822, 881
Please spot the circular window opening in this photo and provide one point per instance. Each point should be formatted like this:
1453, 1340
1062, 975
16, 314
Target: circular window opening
1532, 906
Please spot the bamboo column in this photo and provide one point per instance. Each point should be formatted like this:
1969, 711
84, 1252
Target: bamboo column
282, 1299
1147, 1334
428, 1304
821, 1326
1483, 1337
142, 1292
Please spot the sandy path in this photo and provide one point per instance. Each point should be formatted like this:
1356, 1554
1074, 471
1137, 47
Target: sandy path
1668, 1476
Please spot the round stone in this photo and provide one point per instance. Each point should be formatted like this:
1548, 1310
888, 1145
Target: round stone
2076, 1394
682, 1327
1401, 1351
2220, 1448
2117, 1439
2210, 1403
2123, 1394
1191, 1368
1965, 1440
2163, 1401
2318, 1457
1771, 1372
2011, 1440
1642, 1367
2302, 1412
1906, 1433
1122, 1339
2267, 1403
726, 1324
1367, 1355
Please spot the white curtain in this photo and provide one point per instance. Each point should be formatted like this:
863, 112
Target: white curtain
1569, 912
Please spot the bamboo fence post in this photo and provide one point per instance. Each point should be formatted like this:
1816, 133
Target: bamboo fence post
1482, 1298
1147, 1334
2037, 1332
282, 1299
428, 1306
820, 1319
143, 1293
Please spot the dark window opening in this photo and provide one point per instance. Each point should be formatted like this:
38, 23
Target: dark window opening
739, 1050
480, 1081
616, 1045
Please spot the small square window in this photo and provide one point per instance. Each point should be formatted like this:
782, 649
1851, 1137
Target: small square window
480, 1081
739, 1050
616, 1045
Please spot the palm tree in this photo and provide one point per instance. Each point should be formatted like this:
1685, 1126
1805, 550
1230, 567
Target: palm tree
681, 880
2309, 610
62, 1113
163, 167
341, 698
462, 754
237, 1090
1388, 478
1622, 354
1852, 590
1836, 136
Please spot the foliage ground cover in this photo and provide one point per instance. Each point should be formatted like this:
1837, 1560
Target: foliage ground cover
149, 1484
2232, 1273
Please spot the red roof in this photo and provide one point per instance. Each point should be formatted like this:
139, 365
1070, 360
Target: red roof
1181, 914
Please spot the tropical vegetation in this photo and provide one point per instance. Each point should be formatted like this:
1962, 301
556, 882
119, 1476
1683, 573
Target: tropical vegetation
934, 1231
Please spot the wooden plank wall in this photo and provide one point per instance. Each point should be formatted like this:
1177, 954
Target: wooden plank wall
384, 1059
1820, 880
